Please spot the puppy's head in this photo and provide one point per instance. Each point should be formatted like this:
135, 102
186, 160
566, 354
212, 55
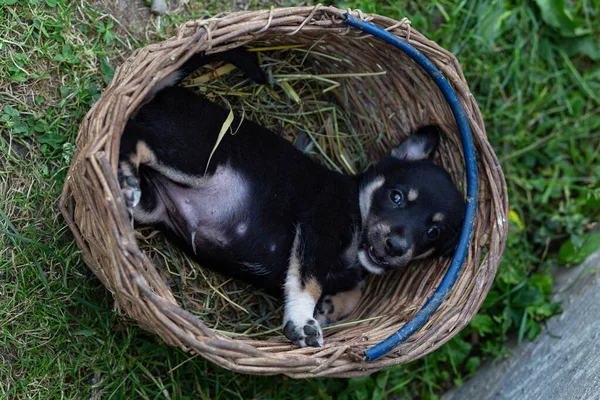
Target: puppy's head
410, 208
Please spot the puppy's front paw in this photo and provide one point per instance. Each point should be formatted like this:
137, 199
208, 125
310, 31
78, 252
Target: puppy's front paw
130, 188
324, 311
334, 307
307, 333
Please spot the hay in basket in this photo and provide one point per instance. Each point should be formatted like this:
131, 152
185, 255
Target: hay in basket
376, 96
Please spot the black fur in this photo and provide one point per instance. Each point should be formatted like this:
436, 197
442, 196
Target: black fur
270, 193
435, 192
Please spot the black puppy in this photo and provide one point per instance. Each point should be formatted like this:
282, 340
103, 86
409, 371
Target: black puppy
262, 211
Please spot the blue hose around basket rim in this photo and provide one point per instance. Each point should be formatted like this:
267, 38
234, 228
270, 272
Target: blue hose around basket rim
449, 279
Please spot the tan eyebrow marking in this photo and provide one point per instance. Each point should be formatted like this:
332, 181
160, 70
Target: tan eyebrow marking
438, 217
413, 194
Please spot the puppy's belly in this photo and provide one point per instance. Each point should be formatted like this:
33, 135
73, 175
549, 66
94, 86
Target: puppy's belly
214, 217
207, 210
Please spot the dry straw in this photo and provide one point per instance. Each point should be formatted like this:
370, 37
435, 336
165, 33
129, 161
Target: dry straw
395, 102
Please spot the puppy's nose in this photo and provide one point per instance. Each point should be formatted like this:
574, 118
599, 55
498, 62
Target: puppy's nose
395, 245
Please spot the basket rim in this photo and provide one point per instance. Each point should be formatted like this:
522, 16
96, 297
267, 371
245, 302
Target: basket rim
213, 345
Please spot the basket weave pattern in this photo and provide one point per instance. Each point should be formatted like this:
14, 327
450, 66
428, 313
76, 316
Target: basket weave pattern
400, 101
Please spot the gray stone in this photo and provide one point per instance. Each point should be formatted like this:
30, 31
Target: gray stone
159, 7
563, 363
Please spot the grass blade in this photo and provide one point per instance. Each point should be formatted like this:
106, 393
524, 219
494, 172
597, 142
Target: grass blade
224, 128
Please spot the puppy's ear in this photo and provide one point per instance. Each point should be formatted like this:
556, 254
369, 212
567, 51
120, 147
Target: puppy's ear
420, 145
448, 248
448, 243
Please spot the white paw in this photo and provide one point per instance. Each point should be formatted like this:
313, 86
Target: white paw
130, 189
303, 333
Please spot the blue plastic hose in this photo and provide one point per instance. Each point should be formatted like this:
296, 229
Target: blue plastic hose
449, 279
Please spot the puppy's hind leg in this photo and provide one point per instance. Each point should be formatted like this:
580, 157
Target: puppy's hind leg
129, 182
133, 153
239, 57
301, 295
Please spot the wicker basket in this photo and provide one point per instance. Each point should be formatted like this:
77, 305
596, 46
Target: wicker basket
405, 98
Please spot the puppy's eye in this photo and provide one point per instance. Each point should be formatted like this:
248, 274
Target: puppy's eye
397, 198
433, 232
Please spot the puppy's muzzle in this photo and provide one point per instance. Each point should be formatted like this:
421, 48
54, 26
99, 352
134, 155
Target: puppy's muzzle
396, 246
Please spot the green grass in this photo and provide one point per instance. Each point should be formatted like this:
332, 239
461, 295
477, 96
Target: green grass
533, 68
